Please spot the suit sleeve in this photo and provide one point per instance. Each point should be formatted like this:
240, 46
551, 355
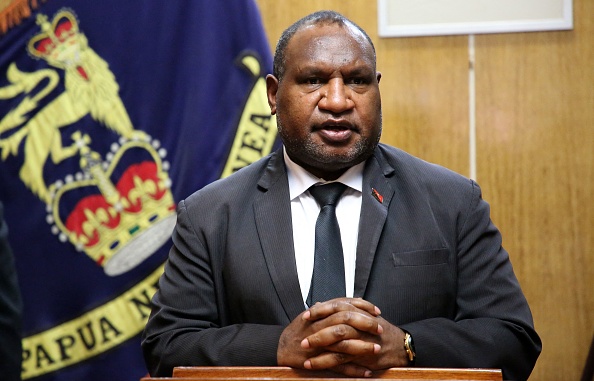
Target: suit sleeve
493, 325
187, 326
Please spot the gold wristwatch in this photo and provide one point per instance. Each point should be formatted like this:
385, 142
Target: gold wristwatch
409, 348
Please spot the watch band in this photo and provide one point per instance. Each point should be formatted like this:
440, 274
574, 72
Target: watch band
409, 348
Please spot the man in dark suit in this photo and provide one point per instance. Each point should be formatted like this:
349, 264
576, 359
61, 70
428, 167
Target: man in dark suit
10, 310
426, 281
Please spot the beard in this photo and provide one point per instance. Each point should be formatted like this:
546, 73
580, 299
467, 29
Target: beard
313, 155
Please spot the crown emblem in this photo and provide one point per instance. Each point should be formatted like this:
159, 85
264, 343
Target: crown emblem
59, 40
118, 211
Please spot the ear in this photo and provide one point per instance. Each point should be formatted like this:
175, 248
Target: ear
378, 76
271, 89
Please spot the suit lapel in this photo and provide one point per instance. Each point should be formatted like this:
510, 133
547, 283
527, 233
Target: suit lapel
273, 221
377, 195
272, 211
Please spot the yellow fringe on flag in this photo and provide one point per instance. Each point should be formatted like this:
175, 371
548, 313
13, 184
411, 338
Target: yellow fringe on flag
12, 12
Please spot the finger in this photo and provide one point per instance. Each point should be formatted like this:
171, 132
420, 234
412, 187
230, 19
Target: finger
335, 334
366, 306
329, 336
355, 319
355, 347
327, 360
325, 309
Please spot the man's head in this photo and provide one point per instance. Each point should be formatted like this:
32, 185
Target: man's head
316, 18
325, 94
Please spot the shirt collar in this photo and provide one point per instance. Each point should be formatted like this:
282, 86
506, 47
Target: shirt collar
301, 180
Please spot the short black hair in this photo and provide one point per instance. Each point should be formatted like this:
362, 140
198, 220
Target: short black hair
316, 18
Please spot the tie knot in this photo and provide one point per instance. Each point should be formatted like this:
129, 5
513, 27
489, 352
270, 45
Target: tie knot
327, 194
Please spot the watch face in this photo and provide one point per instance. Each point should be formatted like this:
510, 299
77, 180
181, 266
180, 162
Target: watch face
411, 344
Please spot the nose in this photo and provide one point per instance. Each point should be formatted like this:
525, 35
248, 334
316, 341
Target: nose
336, 97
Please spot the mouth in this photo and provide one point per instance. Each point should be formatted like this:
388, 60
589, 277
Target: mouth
335, 131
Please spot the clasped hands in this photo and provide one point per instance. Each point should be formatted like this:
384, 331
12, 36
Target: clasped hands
345, 335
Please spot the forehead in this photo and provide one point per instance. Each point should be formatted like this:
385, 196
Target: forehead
328, 43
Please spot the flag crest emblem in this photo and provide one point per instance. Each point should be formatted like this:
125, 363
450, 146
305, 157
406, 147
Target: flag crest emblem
121, 221
110, 218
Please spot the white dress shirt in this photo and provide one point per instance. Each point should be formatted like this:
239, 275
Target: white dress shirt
305, 210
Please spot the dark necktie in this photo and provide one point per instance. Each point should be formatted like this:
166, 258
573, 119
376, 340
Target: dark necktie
327, 281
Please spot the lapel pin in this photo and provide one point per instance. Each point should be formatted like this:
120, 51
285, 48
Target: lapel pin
377, 196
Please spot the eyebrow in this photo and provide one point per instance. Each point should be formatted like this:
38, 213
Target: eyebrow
317, 70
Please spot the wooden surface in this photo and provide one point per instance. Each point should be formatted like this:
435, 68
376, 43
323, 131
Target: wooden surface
535, 138
286, 374
535, 149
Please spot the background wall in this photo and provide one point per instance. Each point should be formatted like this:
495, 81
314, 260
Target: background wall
534, 142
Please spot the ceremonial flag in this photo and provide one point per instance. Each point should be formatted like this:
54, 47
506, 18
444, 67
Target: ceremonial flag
111, 112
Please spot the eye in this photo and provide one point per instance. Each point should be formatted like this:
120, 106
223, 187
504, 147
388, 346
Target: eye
313, 81
358, 81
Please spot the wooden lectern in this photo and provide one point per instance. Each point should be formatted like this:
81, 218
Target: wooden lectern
289, 374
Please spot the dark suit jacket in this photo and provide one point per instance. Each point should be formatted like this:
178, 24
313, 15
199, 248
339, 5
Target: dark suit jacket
10, 310
428, 256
